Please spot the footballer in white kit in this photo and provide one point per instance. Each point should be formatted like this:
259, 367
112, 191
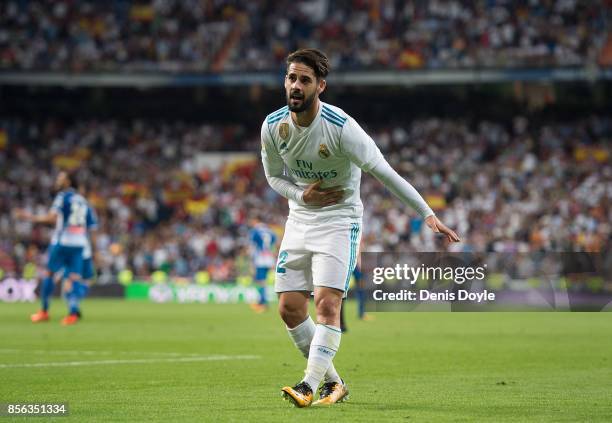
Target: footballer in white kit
319, 242
313, 154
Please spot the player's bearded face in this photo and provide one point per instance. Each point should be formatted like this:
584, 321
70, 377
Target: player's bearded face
298, 101
301, 87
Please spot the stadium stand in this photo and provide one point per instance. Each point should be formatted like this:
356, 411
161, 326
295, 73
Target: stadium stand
190, 35
513, 187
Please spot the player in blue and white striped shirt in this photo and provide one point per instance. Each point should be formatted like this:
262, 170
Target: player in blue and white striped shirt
72, 216
79, 289
262, 241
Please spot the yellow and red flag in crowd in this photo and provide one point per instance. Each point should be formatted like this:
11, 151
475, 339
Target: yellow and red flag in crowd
196, 206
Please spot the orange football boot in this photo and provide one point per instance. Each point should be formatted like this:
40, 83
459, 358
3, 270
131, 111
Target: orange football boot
41, 316
259, 308
331, 393
71, 319
300, 395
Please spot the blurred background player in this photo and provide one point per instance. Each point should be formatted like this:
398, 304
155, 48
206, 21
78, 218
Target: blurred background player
360, 292
78, 290
359, 295
71, 213
262, 241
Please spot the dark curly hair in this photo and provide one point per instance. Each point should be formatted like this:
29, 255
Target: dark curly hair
313, 58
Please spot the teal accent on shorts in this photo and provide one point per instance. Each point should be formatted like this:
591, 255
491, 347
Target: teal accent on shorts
282, 258
353, 254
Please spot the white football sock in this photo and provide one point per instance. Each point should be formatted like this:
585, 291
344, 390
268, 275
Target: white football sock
323, 348
301, 335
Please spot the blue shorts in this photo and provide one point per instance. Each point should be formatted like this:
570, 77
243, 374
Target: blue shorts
70, 259
261, 274
88, 269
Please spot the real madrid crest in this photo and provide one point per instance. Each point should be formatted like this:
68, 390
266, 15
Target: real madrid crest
323, 151
283, 130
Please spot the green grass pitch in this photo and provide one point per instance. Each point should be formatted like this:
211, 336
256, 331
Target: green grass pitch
133, 361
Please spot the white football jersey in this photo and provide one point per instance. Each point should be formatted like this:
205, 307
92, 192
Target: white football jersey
333, 148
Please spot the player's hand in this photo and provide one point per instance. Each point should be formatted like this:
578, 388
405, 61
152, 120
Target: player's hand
314, 195
437, 226
22, 214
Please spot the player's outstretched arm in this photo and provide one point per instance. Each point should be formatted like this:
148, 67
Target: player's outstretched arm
46, 219
361, 149
410, 196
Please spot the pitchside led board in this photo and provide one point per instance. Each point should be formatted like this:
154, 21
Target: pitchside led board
487, 281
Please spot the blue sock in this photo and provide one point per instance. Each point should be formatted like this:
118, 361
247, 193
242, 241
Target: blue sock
361, 297
73, 303
74, 297
263, 300
46, 290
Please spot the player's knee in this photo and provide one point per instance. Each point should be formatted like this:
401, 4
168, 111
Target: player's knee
291, 314
328, 307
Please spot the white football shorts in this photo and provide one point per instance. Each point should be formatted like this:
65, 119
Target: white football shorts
317, 255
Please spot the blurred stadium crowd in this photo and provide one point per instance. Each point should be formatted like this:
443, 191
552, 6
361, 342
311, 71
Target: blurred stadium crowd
222, 35
506, 187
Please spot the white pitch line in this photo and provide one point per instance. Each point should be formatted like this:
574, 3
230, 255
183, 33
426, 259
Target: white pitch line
93, 352
134, 361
